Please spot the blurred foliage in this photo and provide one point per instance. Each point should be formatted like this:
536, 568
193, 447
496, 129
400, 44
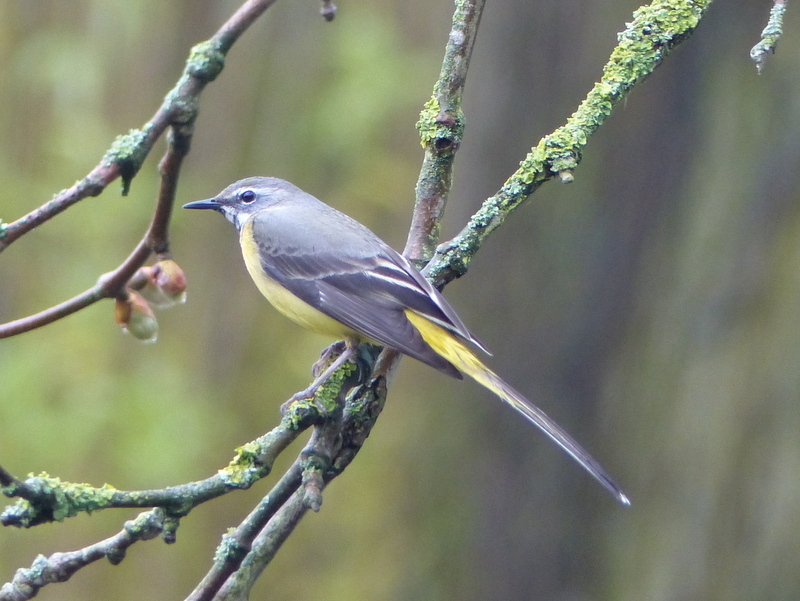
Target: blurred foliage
650, 307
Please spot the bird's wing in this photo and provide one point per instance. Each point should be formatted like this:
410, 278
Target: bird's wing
367, 293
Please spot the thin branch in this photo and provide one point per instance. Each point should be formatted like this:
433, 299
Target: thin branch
125, 157
6, 479
331, 449
265, 546
46, 499
317, 459
241, 20
770, 36
441, 126
51, 314
237, 544
328, 10
60, 567
646, 41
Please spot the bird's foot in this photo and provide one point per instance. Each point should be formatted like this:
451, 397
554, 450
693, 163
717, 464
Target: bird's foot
336, 349
347, 352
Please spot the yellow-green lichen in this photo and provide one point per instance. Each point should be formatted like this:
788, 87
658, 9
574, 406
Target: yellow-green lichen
205, 61
299, 414
128, 152
655, 29
328, 393
245, 468
427, 125
61, 499
644, 43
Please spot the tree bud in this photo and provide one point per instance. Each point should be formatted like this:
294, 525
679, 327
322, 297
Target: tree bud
136, 317
166, 284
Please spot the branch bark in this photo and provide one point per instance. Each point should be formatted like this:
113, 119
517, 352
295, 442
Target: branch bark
124, 159
769, 36
654, 31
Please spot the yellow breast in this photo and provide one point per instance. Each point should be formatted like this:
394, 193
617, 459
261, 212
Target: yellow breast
284, 301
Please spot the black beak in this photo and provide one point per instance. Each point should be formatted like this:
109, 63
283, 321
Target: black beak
211, 203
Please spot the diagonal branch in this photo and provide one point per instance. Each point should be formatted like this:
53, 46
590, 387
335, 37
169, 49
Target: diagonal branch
60, 567
656, 29
769, 36
124, 158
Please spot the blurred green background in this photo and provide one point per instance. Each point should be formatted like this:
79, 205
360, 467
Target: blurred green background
651, 307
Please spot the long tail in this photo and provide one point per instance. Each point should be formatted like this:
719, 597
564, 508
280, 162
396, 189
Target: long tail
456, 352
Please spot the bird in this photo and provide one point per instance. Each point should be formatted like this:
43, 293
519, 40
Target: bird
333, 275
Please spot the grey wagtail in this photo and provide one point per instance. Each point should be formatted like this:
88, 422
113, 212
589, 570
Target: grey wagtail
332, 275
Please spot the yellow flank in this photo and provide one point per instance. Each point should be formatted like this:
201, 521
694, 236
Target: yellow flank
284, 301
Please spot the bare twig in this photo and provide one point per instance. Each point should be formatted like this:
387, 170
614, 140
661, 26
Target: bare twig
6, 479
328, 10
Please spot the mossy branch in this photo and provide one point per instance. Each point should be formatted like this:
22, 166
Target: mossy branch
441, 126
654, 31
45, 498
770, 36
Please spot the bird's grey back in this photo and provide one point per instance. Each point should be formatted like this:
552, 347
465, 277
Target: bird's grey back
300, 223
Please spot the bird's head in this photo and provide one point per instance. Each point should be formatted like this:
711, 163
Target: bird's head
247, 196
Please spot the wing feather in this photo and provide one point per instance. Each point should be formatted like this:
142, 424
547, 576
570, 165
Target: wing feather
368, 294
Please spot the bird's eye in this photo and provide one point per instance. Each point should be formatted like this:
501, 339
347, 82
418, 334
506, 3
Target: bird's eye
247, 196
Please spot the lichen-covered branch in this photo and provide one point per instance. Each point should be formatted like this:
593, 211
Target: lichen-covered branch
654, 31
60, 567
336, 440
247, 550
236, 545
316, 460
770, 36
441, 126
46, 499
